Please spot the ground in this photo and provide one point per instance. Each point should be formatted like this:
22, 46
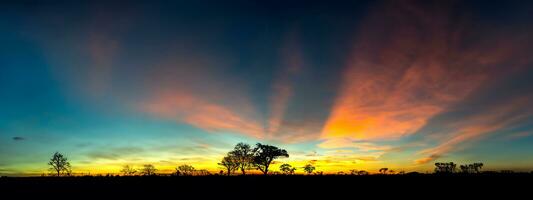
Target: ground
271, 185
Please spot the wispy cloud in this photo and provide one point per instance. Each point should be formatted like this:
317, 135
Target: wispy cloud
18, 138
392, 84
511, 112
282, 89
186, 107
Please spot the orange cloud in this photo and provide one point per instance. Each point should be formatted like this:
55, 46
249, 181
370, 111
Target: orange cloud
346, 143
407, 66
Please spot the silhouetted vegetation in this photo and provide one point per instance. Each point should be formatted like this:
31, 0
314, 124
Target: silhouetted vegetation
287, 169
450, 168
128, 171
309, 168
185, 170
445, 168
229, 162
264, 155
148, 170
260, 158
59, 164
243, 155
471, 168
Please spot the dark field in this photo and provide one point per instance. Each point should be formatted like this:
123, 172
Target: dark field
404, 185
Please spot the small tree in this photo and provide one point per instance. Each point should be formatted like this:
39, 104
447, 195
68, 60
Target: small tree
362, 173
445, 168
477, 167
243, 155
128, 171
309, 168
59, 164
265, 154
383, 170
148, 170
230, 163
287, 169
186, 170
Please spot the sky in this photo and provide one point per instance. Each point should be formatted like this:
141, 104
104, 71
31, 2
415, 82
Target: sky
339, 84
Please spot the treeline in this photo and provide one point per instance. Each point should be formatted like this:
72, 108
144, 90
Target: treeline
244, 158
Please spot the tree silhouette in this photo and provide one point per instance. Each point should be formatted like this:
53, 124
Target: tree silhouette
59, 164
128, 171
362, 173
477, 167
264, 155
243, 155
383, 170
287, 169
445, 168
186, 170
471, 168
353, 172
465, 169
230, 162
148, 170
309, 168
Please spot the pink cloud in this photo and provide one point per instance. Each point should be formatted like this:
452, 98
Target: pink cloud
188, 108
411, 63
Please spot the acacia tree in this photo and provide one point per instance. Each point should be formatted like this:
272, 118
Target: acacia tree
264, 155
148, 170
230, 163
309, 168
128, 171
383, 170
59, 164
186, 170
243, 155
287, 169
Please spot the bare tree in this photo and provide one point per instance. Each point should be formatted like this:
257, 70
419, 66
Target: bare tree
383, 170
229, 162
265, 154
243, 155
128, 171
148, 170
309, 168
287, 169
59, 164
186, 170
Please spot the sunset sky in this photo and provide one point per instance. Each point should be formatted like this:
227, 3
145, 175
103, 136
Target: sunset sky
339, 84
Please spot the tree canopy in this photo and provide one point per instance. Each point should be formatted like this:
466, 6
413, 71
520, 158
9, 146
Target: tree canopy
59, 164
264, 155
